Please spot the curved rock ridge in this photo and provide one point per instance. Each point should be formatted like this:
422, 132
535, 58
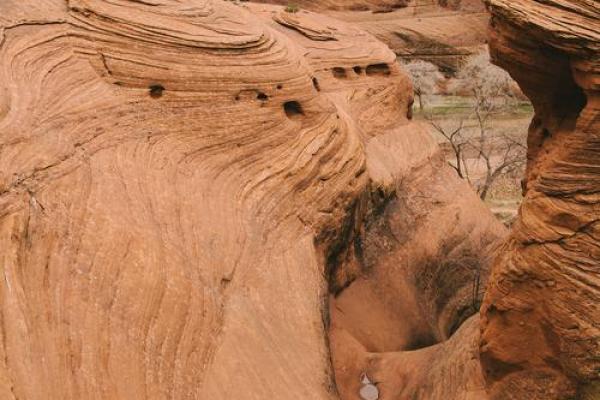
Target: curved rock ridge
544, 289
377, 6
440, 36
441, 32
158, 205
184, 188
352, 5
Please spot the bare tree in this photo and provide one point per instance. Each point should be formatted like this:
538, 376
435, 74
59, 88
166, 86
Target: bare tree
425, 77
481, 153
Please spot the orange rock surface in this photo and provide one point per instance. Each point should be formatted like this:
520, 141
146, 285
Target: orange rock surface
541, 315
442, 32
204, 199
177, 180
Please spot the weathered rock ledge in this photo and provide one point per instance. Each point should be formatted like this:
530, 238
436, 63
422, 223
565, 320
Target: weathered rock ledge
204, 200
541, 315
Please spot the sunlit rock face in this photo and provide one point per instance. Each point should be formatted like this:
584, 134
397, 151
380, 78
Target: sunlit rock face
180, 183
540, 319
340, 5
443, 32
202, 199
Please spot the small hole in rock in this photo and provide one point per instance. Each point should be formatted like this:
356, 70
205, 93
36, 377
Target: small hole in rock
357, 70
339, 72
280, 86
261, 96
156, 91
293, 109
378, 69
409, 111
315, 82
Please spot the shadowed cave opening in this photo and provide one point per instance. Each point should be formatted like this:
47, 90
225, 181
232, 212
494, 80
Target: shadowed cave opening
357, 70
569, 99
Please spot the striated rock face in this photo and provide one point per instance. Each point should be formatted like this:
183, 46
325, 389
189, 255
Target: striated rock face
378, 5
540, 319
188, 188
164, 169
441, 36
350, 5
442, 32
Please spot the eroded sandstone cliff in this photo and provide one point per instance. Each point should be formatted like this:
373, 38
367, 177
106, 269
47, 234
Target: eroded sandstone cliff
442, 32
178, 180
200, 200
540, 319
185, 185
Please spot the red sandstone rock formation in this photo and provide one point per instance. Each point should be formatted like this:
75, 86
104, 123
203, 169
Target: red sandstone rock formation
184, 185
207, 200
349, 5
541, 315
442, 32
441, 36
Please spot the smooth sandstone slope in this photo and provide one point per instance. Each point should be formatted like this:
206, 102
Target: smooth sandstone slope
184, 192
541, 315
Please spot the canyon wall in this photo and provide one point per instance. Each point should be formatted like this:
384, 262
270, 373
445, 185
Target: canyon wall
442, 32
352, 5
205, 199
541, 315
190, 190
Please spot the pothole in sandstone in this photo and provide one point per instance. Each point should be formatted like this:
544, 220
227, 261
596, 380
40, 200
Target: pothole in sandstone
428, 300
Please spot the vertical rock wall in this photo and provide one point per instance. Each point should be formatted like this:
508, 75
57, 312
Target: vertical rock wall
541, 316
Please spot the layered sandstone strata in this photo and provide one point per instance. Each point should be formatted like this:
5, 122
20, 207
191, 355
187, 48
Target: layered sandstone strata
541, 316
188, 188
441, 36
346, 5
441, 32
